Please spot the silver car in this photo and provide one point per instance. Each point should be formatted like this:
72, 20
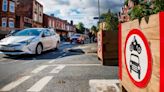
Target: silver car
30, 41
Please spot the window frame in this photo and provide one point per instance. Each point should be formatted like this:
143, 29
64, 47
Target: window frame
45, 33
11, 20
12, 5
4, 22
5, 5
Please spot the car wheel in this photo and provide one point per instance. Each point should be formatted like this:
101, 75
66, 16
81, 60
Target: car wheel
39, 49
139, 50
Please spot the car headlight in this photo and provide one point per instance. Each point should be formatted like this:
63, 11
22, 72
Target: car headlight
27, 42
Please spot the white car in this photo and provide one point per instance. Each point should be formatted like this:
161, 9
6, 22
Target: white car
30, 41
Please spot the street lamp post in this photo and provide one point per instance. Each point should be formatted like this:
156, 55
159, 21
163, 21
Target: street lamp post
99, 9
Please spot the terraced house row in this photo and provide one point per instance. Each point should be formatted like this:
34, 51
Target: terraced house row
20, 14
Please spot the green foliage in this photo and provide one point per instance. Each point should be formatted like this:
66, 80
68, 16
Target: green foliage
80, 27
94, 28
136, 12
111, 20
126, 2
145, 9
158, 6
136, 2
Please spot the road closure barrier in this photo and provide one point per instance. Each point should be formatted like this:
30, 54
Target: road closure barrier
141, 55
107, 46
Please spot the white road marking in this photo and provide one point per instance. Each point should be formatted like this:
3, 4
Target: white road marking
76, 64
61, 52
50, 62
37, 70
57, 69
14, 84
64, 54
59, 57
56, 53
38, 86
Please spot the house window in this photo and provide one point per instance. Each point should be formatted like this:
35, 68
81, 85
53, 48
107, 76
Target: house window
11, 22
50, 24
12, 6
35, 17
4, 6
53, 23
4, 24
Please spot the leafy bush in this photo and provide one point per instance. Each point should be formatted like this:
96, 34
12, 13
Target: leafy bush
145, 9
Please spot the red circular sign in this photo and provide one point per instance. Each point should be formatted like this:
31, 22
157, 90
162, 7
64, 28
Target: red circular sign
138, 59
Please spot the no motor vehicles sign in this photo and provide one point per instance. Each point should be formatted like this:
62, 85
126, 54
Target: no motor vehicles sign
141, 55
138, 58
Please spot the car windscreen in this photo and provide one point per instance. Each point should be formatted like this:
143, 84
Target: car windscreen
76, 35
13, 32
28, 32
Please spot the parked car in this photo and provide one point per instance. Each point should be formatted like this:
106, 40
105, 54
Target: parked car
135, 64
30, 41
77, 38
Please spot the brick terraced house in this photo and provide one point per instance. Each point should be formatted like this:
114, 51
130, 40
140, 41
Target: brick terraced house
29, 13
62, 27
7, 16
20, 14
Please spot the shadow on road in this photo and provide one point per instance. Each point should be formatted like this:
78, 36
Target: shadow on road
47, 55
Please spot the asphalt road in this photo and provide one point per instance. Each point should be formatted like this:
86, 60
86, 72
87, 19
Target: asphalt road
53, 71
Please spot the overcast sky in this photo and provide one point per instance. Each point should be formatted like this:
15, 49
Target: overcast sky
79, 10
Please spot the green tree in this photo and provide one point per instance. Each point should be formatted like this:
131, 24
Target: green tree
111, 20
145, 9
94, 29
80, 27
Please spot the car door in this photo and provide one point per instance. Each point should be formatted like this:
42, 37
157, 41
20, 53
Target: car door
46, 39
54, 38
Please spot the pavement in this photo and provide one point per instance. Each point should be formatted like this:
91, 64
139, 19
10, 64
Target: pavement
86, 48
54, 71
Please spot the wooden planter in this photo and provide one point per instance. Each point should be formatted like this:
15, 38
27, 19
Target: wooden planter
108, 47
146, 73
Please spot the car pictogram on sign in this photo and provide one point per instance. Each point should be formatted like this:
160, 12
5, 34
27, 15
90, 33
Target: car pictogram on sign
135, 64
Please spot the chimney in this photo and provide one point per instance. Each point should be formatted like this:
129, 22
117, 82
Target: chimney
52, 15
71, 22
